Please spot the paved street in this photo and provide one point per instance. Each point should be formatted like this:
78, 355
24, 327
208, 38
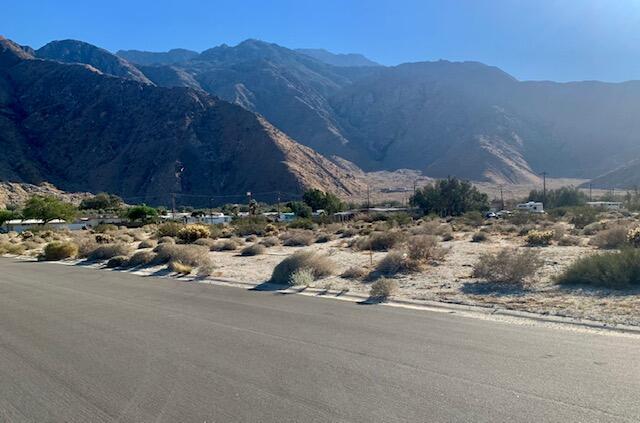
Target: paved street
83, 345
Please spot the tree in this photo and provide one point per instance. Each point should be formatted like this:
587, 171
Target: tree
300, 209
450, 197
561, 197
141, 213
101, 201
319, 200
48, 208
6, 215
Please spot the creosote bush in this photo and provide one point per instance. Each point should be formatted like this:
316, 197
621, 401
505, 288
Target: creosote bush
270, 241
191, 233
507, 266
141, 258
395, 262
610, 239
381, 241
117, 261
166, 240
253, 250
169, 229
569, 240
297, 238
382, 289
147, 243
355, 272
59, 250
192, 255
205, 242
614, 270
229, 244
479, 237
424, 248
320, 265
536, 238
9, 248
302, 277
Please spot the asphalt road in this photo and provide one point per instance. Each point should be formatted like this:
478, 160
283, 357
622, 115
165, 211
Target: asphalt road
83, 345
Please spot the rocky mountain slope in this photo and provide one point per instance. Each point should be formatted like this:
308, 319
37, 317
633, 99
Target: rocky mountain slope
333, 59
459, 118
176, 55
83, 130
624, 177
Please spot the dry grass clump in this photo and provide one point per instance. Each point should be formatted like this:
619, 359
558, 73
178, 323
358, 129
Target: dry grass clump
302, 277
347, 232
569, 240
141, 258
382, 289
117, 261
424, 248
31, 245
611, 239
57, 250
191, 233
205, 242
11, 248
107, 251
251, 238
125, 238
319, 265
229, 244
192, 255
270, 241
166, 240
105, 227
396, 262
324, 237
147, 243
381, 241
103, 238
253, 250
297, 238
170, 229
355, 272
179, 267
508, 266
593, 228
537, 238
86, 246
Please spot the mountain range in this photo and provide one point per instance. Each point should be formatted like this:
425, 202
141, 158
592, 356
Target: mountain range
261, 117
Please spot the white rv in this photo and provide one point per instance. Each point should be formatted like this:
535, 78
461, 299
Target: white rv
531, 207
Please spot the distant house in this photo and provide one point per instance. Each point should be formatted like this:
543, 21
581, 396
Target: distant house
531, 207
609, 205
208, 219
21, 225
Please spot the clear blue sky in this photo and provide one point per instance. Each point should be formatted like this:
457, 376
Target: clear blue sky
559, 40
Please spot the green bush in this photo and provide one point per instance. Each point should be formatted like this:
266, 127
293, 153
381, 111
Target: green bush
170, 229
450, 197
615, 270
507, 266
59, 250
319, 265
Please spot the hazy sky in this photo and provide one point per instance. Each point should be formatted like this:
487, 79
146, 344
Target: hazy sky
537, 39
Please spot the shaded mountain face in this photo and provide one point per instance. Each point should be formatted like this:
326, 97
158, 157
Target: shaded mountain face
333, 59
625, 177
82, 130
176, 55
72, 51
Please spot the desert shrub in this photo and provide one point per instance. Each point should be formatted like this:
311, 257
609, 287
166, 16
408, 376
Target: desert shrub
504, 228
169, 229
26, 235
633, 237
348, 233
225, 245
86, 246
583, 216
380, 241
473, 218
569, 240
593, 228
124, 238
382, 289
609, 239
117, 261
147, 243
303, 224
270, 241
103, 238
105, 227
320, 265
107, 251
166, 240
251, 238
206, 269
559, 230
31, 245
9, 248
141, 258
323, 237
537, 238
253, 225
525, 229
616, 270
191, 233
205, 242
59, 250
507, 266
423, 248
479, 237
355, 272
297, 237
179, 267
192, 255
450, 197
302, 277
253, 250
395, 262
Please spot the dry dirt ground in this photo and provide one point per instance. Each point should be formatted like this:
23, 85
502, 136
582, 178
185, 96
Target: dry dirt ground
448, 281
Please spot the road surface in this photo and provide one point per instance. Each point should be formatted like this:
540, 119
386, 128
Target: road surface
85, 345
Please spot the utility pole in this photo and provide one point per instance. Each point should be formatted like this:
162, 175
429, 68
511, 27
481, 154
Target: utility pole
278, 207
590, 192
544, 187
501, 198
173, 205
